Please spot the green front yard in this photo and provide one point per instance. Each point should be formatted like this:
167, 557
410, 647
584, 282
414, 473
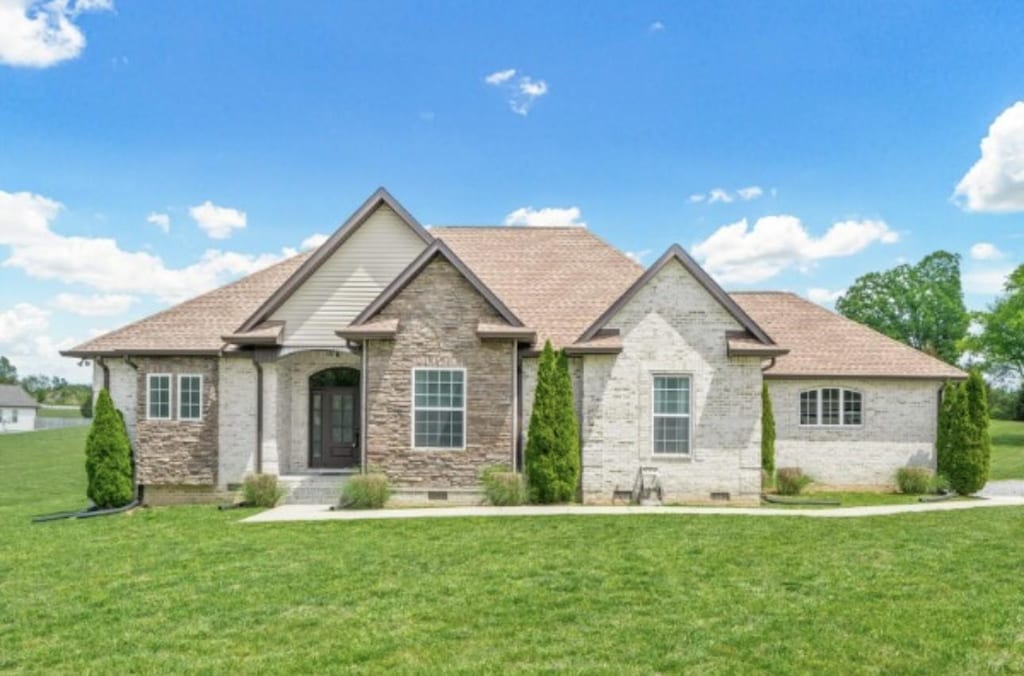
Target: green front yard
190, 589
1007, 450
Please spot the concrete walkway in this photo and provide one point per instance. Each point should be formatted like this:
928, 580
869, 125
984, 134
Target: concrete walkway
1004, 488
323, 512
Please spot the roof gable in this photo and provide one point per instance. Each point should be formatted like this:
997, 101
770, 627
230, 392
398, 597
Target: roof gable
15, 396
326, 251
676, 253
437, 248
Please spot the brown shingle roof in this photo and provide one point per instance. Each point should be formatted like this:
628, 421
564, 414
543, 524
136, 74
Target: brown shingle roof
196, 325
556, 280
823, 343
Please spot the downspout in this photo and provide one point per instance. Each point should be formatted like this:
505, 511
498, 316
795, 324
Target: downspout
106, 372
515, 401
363, 426
259, 413
517, 461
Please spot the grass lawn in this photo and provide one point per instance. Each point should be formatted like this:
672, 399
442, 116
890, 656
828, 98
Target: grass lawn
190, 589
45, 412
1007, 449
853, 499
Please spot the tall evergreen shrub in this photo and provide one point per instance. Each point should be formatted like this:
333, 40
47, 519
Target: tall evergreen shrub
552, 450
108, 463
767, 433
945, 436
962, 441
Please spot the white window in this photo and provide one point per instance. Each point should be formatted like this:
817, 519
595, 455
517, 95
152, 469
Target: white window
14, 415
671, 398
831, 406
190, 397
439, 408
158, 402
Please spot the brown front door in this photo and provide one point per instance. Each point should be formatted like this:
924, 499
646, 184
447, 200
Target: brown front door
334, 427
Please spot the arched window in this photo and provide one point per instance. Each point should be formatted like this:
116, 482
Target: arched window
831, 406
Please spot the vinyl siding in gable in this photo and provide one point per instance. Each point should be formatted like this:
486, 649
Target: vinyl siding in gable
358, 271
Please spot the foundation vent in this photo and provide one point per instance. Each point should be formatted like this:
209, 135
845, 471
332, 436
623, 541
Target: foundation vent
437, 495
720, 496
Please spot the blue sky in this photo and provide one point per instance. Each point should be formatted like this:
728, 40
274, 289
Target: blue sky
151, 150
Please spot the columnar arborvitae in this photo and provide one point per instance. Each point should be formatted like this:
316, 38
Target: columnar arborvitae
108, 463
945, 438
552, 449
972, 470
767, 433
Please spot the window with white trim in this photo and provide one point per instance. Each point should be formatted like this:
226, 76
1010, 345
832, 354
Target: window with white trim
190, 397
158, 396
439, 408
831, 407
671, 411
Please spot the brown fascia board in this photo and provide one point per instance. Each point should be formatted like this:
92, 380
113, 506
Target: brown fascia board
327, 249
91, 354
521, 334
379, 334
573, 350
676, 252
236, 339
857, 376
436, 248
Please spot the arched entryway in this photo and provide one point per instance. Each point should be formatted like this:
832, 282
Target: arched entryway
334, 419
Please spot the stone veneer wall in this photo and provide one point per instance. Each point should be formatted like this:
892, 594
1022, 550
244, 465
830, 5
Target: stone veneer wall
672, 325
438, 314
178, 452
900, 419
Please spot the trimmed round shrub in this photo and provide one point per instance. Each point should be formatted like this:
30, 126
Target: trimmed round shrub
504, 487
365, 491
261, 490
915, 480
791, 481
108, 457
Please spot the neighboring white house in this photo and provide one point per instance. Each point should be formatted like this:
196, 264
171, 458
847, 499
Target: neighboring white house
17, 409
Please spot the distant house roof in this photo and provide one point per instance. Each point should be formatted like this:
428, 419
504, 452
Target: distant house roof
822, 343
14, 396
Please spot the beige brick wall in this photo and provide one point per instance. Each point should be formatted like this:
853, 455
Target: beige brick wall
672, 326
237, 420
176, 451
898, 431
438, 313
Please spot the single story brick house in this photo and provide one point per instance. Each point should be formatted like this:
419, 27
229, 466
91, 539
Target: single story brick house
414, 351
17, 409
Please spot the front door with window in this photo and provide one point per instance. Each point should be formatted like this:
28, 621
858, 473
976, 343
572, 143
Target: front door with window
334, 433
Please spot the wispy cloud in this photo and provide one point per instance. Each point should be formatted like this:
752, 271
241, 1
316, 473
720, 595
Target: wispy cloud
983, 251
656, 27
94, 305
824, 296
37, 34
638, 256
217, 222
547, 217
740, 253
723, 196
523, 91
160, 220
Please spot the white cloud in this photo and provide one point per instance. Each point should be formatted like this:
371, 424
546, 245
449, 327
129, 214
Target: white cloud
824, 296
217, 222
522, 92
500, 76
95, 305
638, 256
39, 34
100, 263
983, 251
162, 221
986, 282
21, 321
313, 241
739, 253
750, 193
656, 27
547, 217
718, 195
996, 181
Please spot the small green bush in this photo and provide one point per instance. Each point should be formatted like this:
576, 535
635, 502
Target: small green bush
915, 480
261, 490
365, 491
791, 480
108, 457
940, 484
504, 487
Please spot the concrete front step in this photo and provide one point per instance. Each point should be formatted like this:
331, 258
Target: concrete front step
312, 489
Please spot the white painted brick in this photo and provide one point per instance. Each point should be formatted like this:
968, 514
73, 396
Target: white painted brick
898, 431
237, 419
